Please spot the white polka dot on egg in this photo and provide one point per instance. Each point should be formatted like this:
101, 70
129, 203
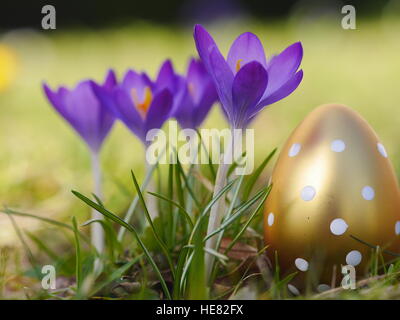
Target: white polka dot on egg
338, 145
353, 258
308, 193
294, 149
368, 193
293, 289
338, 226
301, 264
397, 228
271, 218
323, 287
381, 149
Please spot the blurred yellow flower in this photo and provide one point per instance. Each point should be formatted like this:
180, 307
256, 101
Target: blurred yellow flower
8, 66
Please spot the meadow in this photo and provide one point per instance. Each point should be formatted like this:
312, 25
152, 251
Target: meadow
42, 160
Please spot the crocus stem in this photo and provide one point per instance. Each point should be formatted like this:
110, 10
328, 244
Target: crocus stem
151, 200
217, 209
194, 168
97, 232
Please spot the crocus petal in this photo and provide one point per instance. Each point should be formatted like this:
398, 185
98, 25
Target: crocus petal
104, 96
281, 93
223, 79
283, 67
216, 66
166, 76
246, 48
168, 79
131, 79
85, 111
184, 113
107, 117
204, 44
159, 111
205, 104
127, 112
134, 80
198, 96
56, 100
248, 87
110, 80
179, 92
107, 120
191, 114
197, 78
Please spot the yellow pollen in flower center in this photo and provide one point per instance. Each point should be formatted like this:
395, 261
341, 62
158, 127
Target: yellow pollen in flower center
191, 89
238, 64
143, 106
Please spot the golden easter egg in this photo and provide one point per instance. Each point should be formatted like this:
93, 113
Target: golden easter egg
334, 201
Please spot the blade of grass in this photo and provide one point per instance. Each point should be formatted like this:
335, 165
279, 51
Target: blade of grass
374, 246
44, 219
244, 275
210, 165
235, 164
50, 253
177, 290
171, 223
253, 178
238, 213
282, 284
182, 209
42, 246
222, 258
187, 185
197, 288
32, 260
189, 207
255, 212
231, 220
181, 198
116, 274
150, 221
228, 214
111, 236
109, 231
186, 270
22, 214
78, 257
241, 281
135, 200
97, 199
131, 229
208, 207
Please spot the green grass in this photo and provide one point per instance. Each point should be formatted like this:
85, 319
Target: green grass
186, 249
43, 160
150, 263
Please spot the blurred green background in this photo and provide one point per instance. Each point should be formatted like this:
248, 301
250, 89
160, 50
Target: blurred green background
42, 159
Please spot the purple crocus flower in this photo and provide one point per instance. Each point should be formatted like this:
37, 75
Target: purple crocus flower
140, 103
83, 110
199, 94
93, 121
246, 82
